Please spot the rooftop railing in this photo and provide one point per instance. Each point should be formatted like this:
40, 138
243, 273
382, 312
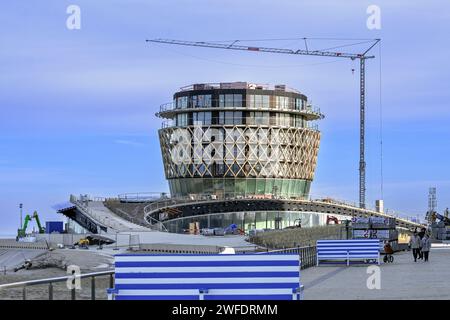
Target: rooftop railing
238, 85
215, 104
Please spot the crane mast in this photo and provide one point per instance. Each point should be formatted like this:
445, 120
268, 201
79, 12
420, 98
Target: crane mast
321, 53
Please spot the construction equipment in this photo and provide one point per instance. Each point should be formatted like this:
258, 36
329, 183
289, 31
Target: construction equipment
22, 232
83, 243
332, 219
320, 53
297, 224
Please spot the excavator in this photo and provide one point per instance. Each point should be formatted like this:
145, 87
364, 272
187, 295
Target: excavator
332, 219
22, 232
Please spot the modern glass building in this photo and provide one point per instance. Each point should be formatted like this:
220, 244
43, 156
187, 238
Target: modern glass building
239, 140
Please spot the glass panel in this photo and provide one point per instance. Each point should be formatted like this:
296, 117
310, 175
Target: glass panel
292, 188
207, 186
285, 188
194, 102
229, 100
269, 186
271, 219
218, 187
207, 100
251, 185
229, 188
240, 187
215, 220
260, 186
250, 119
229, 117
261, 220
221, 100
277, 187
265, 101
227, 219
258, 101
249, 221
237, 117
237, 100
250, 101
207, 118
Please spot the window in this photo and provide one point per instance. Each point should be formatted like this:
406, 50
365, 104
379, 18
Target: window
182, 102
300, 104
203, 117
282, 102
230, 100
181, 120
207, 101
207, 119
237, 117
201, 101
258, 101
229, 117
237, 100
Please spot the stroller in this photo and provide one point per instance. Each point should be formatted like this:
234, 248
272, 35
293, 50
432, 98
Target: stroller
388, 253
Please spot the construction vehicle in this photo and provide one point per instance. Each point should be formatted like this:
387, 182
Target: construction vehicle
332, 219
22, 232
297, 224
83, 243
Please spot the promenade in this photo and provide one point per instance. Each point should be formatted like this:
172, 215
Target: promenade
402, 279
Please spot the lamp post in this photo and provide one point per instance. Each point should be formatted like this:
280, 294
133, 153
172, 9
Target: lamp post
20, 207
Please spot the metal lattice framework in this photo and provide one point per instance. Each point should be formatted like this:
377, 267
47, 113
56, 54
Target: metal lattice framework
261, 152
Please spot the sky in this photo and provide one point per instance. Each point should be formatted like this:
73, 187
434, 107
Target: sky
77, 107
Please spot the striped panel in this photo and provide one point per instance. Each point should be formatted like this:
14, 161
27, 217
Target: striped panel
185, 275
352, 249
180, 277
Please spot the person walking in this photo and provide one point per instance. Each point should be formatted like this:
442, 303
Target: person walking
414, 242
426, 245
421, 235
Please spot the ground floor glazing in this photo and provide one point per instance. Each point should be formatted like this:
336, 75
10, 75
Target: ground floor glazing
247, 221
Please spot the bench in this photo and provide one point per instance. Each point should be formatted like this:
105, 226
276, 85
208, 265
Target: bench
356, 250
207, 277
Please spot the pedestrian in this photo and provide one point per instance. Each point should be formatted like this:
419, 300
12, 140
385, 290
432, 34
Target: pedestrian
426, 245
421, 235
414, 242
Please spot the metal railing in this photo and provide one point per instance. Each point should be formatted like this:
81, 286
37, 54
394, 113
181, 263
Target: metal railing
308, 255
237, 85
141, 196
242, 103
51, 281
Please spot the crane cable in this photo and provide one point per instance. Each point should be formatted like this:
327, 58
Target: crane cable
381, 121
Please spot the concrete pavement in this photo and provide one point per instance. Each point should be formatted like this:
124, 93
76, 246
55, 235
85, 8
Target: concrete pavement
402, 279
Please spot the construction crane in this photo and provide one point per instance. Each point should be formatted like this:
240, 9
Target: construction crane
320, 53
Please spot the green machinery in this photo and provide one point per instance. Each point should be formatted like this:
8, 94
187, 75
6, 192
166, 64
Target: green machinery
21, 233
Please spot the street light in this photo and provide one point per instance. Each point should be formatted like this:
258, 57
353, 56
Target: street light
20, 207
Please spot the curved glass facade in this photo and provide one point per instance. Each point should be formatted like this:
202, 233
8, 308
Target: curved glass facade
224, 188
250, 220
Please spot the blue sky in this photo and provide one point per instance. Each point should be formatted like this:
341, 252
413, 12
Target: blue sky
77, 106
